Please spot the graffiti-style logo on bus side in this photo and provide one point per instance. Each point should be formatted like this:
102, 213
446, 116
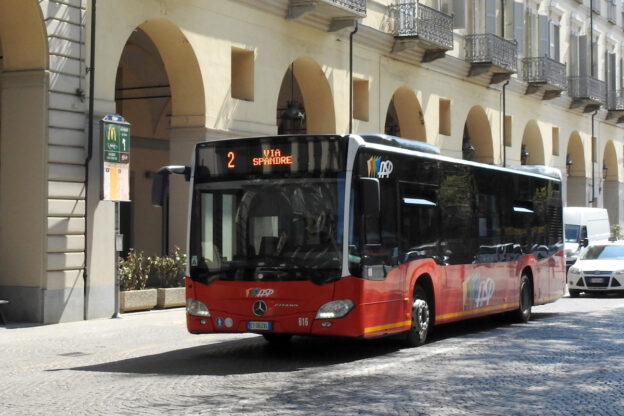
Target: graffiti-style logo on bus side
259, 293
378, 168
478, 292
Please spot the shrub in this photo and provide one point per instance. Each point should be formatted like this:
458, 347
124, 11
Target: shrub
133, 271
139, 272
168, 271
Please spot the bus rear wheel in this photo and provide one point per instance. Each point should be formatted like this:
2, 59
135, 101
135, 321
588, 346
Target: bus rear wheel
523, 313
421, 319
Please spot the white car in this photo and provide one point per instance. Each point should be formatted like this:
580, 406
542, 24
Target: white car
599, 269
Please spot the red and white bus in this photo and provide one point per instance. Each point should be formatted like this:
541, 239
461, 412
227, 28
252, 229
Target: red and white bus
363, 236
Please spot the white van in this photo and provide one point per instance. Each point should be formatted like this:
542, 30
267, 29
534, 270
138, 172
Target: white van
583, 225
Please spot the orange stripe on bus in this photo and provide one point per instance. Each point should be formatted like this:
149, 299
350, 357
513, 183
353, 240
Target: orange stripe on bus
478, 310
386, 326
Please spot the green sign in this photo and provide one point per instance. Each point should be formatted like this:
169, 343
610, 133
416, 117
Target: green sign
116, 142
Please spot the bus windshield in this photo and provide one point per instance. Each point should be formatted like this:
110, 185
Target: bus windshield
268, 215
267, 230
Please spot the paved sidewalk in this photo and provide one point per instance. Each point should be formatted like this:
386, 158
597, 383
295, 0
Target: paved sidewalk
569, 360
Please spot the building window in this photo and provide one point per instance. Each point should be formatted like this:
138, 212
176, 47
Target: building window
242, 76
360, 99
555, 141
445, 117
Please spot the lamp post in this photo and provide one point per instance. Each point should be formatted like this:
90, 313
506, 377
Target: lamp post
524, 155
568, 164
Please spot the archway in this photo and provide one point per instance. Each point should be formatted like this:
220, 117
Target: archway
576, 172
532, 148
610, 183
311, 108
158, 87
404, 117
23, 157
477, 142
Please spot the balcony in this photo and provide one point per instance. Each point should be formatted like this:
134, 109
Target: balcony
586, 92
487, 52
342, 13
615, 105
415, 25
544, 74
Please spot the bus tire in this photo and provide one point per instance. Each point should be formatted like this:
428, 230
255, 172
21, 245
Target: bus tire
574, 293
523, 313
277, 339
421, 318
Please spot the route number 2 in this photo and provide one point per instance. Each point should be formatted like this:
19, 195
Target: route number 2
231, 164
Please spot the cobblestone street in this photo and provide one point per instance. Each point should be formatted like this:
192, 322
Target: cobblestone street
569, 360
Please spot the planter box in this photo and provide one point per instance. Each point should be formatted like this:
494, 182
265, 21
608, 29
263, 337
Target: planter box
137, 300
171, 297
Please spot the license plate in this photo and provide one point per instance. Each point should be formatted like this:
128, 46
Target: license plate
259, 326
596, 280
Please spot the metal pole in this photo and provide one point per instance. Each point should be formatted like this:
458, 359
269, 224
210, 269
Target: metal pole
91, 70
116, 251
351, 77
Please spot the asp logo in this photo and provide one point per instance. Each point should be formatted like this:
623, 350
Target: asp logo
259, 293
378, 168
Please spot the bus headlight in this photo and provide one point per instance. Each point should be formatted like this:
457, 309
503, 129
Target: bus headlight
334, 309
196, 308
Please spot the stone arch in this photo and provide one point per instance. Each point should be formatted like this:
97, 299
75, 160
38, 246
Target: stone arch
24, 140
405, 117
23, 36
304, 80
159, 90
477, 136
576, 171
533, 143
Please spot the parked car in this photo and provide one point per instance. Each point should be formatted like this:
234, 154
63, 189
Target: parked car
599, 269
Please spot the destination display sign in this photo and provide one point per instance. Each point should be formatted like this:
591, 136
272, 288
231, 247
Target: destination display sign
266, 156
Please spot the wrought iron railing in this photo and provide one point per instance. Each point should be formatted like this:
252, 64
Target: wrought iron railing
587, 88
490, 48
615, 100
544, 70
412, 19
356, 6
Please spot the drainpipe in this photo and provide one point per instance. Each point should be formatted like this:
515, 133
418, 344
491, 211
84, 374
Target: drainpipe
593, 200
91, 71
351, 77
504, 124
591, 44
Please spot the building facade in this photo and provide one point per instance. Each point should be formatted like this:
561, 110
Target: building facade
505, 82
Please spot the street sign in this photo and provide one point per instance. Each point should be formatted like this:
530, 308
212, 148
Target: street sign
115, 158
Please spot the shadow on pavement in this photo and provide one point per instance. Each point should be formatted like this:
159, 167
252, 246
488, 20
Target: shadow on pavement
255, 355
250, 356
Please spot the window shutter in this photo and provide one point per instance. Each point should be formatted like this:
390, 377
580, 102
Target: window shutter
490, 16
554, 41
542, 35
518, 18
610, 71
459, 14
582, 55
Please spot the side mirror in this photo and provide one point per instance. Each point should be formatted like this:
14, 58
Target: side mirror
160, 182
585, 242
370, 196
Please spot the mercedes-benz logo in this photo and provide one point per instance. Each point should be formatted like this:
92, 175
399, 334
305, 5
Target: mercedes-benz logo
259, 308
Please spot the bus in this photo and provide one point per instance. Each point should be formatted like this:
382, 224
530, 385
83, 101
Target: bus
362, 236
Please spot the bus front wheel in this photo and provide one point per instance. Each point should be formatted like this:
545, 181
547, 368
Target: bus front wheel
523, 313
421, 318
